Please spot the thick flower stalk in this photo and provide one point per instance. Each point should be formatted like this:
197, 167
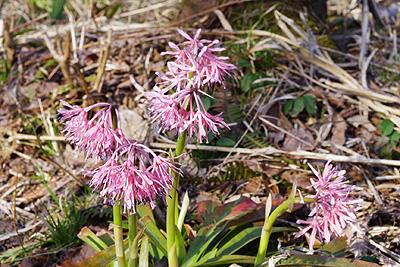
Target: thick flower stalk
176, 102
333, 209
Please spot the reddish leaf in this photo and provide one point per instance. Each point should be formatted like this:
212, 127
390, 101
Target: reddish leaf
209, 213
242, 211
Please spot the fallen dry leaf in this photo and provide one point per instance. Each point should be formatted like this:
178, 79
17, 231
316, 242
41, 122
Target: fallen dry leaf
339, 130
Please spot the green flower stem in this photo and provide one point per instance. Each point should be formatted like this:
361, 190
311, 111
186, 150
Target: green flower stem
119, 239
172, 206
133, 248
269, 222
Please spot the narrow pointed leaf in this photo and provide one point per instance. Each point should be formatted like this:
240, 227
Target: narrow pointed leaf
240, 240
225, 260
316, 260
204, 237
144, 253
180, 245
90, 238
154, 234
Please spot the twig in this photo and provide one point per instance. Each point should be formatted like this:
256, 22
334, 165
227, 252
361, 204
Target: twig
277, 152
375, 12
362, 61
284, 131
15, 217
43, 16
75, 60
372, 188
24, 230
9, 42
387, 177
145, 9
60, 57
14, 137
202, 13
365, 66
354, 57
102, 63
393, 255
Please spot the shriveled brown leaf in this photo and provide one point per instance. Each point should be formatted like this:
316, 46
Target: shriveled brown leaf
293, 143
339, 131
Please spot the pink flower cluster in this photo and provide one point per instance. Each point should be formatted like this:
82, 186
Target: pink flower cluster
175, 103
125, 177
95, 136
132, 173
333, 207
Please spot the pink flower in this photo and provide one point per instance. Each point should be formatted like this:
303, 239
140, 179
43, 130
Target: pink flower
134, 175
165, 110
203, 121
96, 135
316, 225
333, 208
176, 103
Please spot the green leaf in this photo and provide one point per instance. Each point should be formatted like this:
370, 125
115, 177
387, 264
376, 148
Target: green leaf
243, 63
203, 238
394, 138
214, 221
309, 104
298, 105
225, 142
209, 255
234, 113
206, 101
155, 252
158, 241
386, 126
240, 240
316, 260
154, 234
144, 253
247, 80
57, 9
288, 106
90, 238
225, 260
336, 245
180, 245
41, 174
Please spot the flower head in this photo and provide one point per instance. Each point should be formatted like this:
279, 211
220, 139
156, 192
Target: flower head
333, 209
134, 175
176, 102
94, 135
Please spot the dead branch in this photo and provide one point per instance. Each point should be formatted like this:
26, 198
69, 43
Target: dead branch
102, 63
9, 42
61, 57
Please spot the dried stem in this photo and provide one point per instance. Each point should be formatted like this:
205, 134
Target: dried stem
61, 57
81, 77
9, 42
102, 63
